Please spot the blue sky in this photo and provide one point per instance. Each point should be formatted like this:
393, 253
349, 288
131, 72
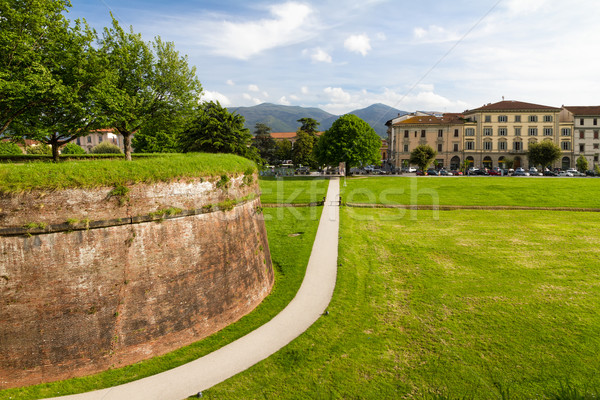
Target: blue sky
340, 55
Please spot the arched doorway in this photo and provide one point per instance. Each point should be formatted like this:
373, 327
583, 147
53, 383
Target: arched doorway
487, 162
517, 163
455, 163
501, 162
566, 163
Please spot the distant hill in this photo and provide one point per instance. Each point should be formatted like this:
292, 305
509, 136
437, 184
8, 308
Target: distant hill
284, 118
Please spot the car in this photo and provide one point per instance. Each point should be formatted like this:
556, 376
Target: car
409, 169
494, 172
432, 171
479, 172
575, 172
565, 173
590, 172
550, 173
443, 172
533, 171
520, 172
456, 172
419, 173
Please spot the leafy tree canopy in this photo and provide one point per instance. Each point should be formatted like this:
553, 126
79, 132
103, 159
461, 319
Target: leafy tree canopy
350, 140
265, 144
422, 156
106, 148
582, 163
9, 148
72, 148
309, 125
544, 153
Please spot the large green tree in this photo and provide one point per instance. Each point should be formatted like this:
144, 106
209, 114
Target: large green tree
264, 143
216, 130
350, 140
582, 163
543, 154
284, 150
29, 33
148, 86
422, 156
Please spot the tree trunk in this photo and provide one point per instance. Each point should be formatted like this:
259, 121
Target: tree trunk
127, 145
54, 144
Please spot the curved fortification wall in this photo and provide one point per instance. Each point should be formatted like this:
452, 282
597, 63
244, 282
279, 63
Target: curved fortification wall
102, 278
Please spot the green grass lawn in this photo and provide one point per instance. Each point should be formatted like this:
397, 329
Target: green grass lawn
291, 235
475, 304
293, 190
478, 191
96, 173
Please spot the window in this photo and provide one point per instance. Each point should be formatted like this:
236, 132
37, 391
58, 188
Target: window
488, 131
406, 133
581, 147
565, 131
406, 148
455, 146
596, 146
517, 131
565, 145
439, 147
581, 134
470, 145
595, 121
596, 158
532, 131
488, 118
517, 146
502, 118
595, 134
423, 133
517, 118
548, 132
487, 145
547, 118
470, 132
456, 133
99, 139
580, 121
89, 139
440, 133
502, 131
533, 118
502, 145
78, 141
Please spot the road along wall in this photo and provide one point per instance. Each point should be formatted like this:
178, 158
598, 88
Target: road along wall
103, 278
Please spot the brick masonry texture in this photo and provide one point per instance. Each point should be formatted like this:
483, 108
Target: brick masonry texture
77, 303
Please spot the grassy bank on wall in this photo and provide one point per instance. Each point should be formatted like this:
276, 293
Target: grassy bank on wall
291, 234
475, 191
97, 173
477, 304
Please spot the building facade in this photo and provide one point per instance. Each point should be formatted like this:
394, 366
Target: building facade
486, 136
99, 136
586, 131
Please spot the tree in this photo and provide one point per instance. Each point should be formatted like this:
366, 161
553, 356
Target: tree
215, 130
582, 163
284, 150
543, 154
309, 125
422, 156
509, 162
146, 87
264, 143
29, 32
350, 140
9, 148
72, 148
303, 150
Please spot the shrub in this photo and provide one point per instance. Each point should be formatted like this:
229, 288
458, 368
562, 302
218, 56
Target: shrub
106, 148
72, 148
39, 149
10, 148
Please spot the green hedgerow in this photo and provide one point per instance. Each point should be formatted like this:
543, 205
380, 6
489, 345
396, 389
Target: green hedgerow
106, 148
72, 148
10, 148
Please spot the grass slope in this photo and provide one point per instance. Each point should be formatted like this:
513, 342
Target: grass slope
96, 173
292, 190
291, 234
477, 304
477, 191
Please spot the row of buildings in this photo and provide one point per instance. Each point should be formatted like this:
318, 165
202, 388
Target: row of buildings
486, 136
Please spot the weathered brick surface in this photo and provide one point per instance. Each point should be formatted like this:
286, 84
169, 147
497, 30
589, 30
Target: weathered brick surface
78, 303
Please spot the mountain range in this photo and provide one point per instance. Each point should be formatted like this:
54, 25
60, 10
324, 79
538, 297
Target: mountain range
285, 118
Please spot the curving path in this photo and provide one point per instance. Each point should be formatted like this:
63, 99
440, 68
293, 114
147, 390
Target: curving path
308, 305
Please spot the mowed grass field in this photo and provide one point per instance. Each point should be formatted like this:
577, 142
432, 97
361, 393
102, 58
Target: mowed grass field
471, 304
293, 190
291, 235
475, 191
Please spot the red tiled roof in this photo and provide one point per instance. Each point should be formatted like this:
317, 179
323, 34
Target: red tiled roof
450, 118
583, 110
511, 105
287, 135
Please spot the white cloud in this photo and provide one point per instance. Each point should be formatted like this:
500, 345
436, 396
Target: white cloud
435, 34
290, 23
246, 96
230, 82
519, 7
253, 88
294, 97
304, 90
215, 96
358, 44
284, 101
320, 55
337, 95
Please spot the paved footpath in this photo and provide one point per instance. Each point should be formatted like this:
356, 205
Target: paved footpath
309, 304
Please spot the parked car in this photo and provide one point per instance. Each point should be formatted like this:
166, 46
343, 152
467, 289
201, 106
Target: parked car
590, 172
520, 172
456, 172
479, 172
409, 169
550, 173
565, 173
432, 171
494, 172
533, 171
443, 172
419, 173
575, 172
